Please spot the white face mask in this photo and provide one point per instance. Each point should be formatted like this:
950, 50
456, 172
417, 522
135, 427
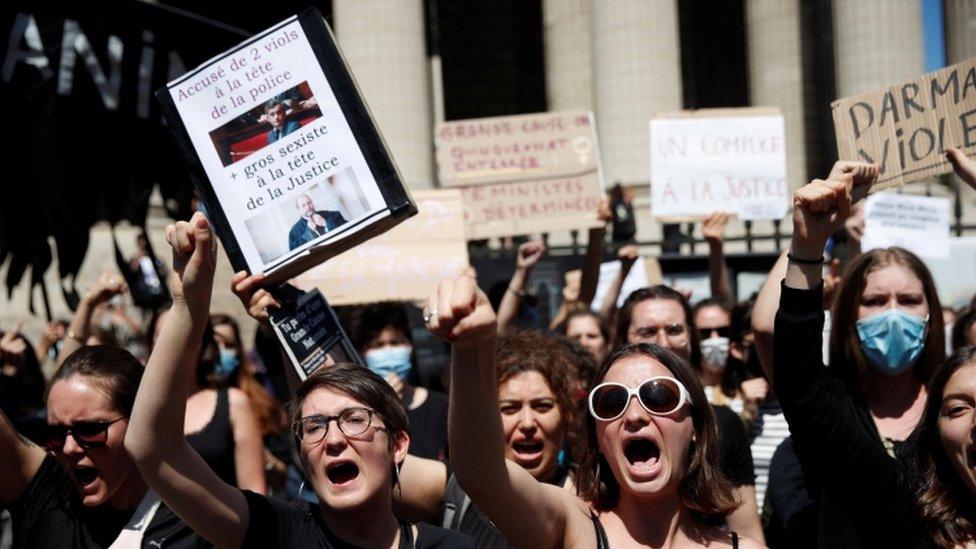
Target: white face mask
715, 353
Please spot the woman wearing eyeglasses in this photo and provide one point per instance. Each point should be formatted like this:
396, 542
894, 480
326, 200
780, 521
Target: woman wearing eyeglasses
84, 491
349, 424
650, 473
662, 316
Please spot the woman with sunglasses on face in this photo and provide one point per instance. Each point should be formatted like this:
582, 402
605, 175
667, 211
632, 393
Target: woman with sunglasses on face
349, 424
84, 489
650, 474
662, 316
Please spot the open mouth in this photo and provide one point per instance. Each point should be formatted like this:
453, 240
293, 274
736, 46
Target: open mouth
642, 453
85, 475
528, 447
341, 473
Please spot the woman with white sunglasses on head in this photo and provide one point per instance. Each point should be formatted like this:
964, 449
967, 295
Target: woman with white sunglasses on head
649, 475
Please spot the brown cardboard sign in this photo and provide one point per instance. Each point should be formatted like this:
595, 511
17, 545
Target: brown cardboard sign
905, 128
402, 264
522, 174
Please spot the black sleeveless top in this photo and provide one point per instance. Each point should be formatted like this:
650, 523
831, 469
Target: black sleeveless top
603, 543
215, 442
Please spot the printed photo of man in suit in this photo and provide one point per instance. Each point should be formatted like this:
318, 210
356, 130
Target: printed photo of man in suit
312, 224
274, 111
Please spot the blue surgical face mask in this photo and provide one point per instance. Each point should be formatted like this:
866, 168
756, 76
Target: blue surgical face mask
387, 360
227, 364
892, 340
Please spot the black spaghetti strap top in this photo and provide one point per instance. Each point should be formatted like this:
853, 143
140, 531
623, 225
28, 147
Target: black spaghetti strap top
603, 543
215, 442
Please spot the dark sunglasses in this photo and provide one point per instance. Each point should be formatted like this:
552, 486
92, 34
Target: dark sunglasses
88, 434
723, 331
660, 396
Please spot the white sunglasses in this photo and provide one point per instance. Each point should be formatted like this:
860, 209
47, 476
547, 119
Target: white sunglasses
659, 396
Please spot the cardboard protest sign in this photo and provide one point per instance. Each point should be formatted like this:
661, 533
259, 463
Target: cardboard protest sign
728, 160
404, 264
287, 159
906, 127
309, 331
919, 224
522, 174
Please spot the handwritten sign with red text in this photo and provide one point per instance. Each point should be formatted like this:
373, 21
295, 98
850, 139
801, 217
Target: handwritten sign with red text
522, 174
729, 160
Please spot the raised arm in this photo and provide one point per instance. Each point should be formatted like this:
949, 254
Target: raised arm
527, 512
214, 509
107, 286
628, 256
19, 457
594, 255
528, 256
713, 229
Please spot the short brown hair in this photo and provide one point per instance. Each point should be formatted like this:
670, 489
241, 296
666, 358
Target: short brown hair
846, 358
361, 384
113, 369
704, 490
662, 292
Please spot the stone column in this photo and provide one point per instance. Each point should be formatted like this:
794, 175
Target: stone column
960, 35
876, 43
637, 73
568, 36
383, 42
776, 73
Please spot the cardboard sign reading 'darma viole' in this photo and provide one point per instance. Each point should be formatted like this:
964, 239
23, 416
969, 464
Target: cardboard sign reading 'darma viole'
522, 174
403, 264
906, 127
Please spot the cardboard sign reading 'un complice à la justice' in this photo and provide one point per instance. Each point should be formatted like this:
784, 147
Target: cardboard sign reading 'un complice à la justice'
906, 127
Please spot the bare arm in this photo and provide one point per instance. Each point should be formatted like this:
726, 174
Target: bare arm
528, 255
764, 315
713, 229
745, 519
423, 483
108, 285
594, 255
248, 443
503, 491
214, 509
627, 256
19, 461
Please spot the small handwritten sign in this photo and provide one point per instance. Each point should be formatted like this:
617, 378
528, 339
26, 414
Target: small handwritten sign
920, 224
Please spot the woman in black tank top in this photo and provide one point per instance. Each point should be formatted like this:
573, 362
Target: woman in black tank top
649, 472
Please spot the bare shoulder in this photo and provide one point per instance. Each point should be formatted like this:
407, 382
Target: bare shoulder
237, 397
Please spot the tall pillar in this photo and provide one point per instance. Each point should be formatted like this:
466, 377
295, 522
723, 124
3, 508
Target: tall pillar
384, 43
877, 43
776, 73
567, 29
637, 73
960, 22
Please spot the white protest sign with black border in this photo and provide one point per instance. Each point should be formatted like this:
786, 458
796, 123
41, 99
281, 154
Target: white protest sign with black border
282, 148
718, 160
920, 224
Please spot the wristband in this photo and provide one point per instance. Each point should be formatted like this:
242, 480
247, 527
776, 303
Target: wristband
803, 261
519, 293
76, 337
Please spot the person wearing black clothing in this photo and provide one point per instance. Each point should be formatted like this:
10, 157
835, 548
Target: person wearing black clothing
349, 425
865, 494
94, 495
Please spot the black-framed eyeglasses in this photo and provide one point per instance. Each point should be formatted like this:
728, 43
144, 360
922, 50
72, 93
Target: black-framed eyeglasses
351, 422
721, 331
88, 434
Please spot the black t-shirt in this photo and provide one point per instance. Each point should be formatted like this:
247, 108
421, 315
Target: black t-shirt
735, 456
428, 427
49, 513
275, 523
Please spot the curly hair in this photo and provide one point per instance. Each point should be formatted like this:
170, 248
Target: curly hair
943, 502
704, 491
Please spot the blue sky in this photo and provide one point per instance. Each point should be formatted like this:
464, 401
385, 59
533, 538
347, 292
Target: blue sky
933, 34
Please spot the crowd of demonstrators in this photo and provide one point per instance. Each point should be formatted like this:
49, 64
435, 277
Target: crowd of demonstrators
665, 423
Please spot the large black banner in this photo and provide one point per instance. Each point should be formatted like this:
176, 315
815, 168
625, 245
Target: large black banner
84, 138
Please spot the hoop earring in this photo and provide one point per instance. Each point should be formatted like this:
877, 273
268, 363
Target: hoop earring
301, 487
396, 474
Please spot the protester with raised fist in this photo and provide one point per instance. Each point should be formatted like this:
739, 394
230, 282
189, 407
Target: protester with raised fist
350, 426
650, 475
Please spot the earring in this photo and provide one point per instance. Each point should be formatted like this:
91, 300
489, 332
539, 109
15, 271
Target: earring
396, 474
300, 488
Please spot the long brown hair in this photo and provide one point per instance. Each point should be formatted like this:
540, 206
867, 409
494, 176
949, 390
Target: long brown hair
944, 503
660, 291
846, 357
704, 491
